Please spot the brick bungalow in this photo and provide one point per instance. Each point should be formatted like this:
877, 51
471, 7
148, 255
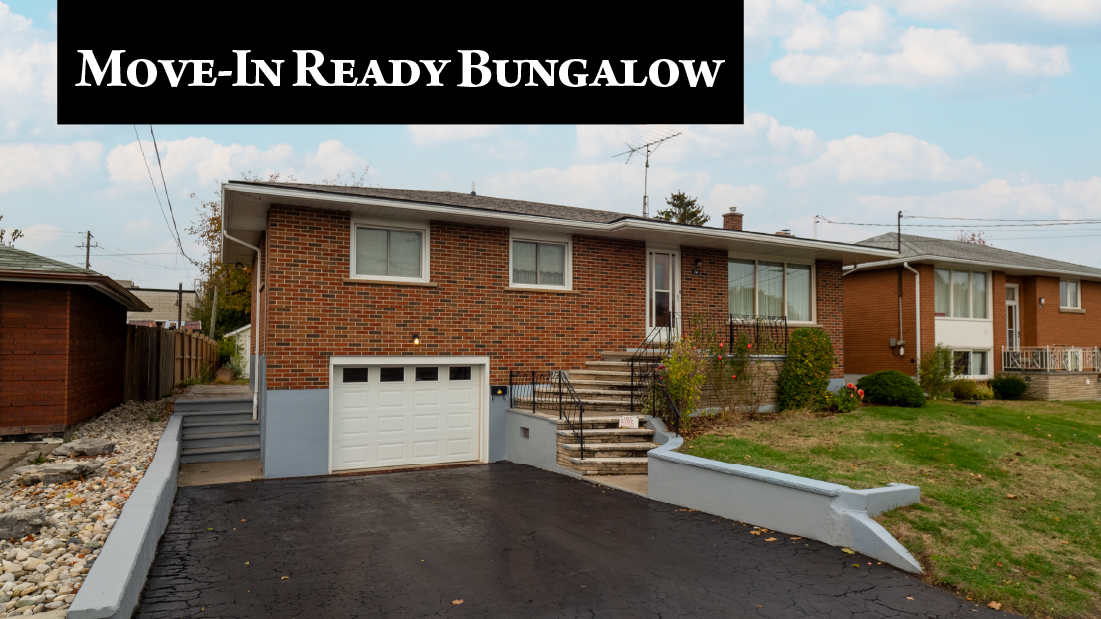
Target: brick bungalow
996, 309
373, 302
62, 342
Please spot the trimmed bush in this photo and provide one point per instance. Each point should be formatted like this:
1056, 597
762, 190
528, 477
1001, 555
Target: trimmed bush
804, 382
983, 392
963, 388
892, 388
1008, 387
935, 372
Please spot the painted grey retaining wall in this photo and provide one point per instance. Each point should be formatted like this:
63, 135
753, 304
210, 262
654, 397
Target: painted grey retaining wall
114, 583
540, 448
830, 513
295, 432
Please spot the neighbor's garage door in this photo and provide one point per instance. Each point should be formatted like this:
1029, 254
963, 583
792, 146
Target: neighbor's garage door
411, 414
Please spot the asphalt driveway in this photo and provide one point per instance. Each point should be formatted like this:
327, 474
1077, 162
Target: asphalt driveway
498, 540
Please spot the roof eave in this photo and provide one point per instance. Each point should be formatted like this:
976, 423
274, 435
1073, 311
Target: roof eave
101, 283
994, 266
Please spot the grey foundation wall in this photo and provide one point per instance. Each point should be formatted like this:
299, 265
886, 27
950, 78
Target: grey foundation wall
539, 448
498, 404
295, 432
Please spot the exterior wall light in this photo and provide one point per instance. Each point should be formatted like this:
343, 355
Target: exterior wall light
1041, 301
416, 339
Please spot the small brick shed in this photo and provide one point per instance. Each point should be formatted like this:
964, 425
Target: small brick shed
62, 342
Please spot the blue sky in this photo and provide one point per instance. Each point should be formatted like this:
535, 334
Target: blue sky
854, 110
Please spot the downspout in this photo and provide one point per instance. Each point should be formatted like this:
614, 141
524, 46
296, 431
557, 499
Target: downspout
917, 312
256, 315
901, 338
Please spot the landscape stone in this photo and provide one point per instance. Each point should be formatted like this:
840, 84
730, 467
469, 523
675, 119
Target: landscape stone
85, 447
19, 523
55, 473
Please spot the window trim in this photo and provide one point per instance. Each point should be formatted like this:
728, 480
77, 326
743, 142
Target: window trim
1078, 286
970, 294
757, 259
527, 236
401, 225
989, 363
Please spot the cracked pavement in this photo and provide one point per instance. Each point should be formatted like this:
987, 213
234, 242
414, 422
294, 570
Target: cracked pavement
507, 540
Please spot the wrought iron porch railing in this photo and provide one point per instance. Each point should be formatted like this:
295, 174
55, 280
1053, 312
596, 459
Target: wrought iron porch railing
548, 390
657, 401
768, 335
1052, 358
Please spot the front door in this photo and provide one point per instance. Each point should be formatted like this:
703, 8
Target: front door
1012, 318
662, 293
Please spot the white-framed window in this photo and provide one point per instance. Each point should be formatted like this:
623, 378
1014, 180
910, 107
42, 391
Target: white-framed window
771, 288
961, 294
394, 250
971, 363
1070, 294
540, 260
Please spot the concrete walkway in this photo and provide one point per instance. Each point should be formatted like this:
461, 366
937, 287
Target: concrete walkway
498, 540
214, 392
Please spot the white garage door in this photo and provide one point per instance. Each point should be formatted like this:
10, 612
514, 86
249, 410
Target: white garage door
385, 415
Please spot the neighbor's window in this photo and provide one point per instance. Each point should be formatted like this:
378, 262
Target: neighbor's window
382, 252
1069, 296
539, 264
760, 288
970, 362
961, 294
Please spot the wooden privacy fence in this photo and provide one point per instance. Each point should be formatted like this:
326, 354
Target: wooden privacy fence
158, 359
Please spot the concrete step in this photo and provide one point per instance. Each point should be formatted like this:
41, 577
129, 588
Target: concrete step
222, 439
191, 426
609, 432
610, 375
220, 454
189, 406
240, 414
608, 450
624, 385
623, 355
610, 466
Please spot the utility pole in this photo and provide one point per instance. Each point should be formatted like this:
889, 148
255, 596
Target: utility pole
87, 247
631, 150
900, 236
214, 311
179, 307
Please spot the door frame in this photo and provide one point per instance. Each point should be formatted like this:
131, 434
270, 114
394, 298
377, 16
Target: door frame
1016, 316
360, 360
675, 282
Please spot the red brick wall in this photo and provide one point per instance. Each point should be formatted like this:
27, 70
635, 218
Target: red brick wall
314, 313
97, 353
1049, 326
34, 332
871, 319
830, 293
998, 307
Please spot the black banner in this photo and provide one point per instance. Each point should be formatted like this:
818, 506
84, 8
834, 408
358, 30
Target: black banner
323, 64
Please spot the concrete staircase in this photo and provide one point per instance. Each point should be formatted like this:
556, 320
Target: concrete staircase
219, 430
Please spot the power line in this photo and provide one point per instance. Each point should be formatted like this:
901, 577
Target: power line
160, 168
986, 219
154, 184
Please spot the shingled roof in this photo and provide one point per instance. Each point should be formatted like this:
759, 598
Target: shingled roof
20, 265
959, 251
454, 198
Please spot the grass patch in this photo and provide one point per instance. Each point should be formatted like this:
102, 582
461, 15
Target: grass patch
1038, 554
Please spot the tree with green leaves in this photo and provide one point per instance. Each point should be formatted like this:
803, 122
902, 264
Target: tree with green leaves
684, 210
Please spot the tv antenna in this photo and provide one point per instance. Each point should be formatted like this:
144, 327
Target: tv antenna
648, 148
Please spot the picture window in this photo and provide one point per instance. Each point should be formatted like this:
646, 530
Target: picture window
381, 252
961, 294
760, 288
540, 264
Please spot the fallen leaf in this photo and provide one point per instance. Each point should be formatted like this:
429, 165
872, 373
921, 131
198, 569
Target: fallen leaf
284, 577
755, 532
456, 602
1000, 564
771, 539
994, 605
77, 500
246, 562
1010, 496
909, 598
848, 551
796, 538
856, 565
758, 606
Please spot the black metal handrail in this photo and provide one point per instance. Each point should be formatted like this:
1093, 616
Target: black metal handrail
653, 348
549, 390
657, 401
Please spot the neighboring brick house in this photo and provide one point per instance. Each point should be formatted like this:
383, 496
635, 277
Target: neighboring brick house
62, 342
998, 310
165, 303
368, 294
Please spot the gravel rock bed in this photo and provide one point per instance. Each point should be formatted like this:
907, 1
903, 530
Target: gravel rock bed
43, 571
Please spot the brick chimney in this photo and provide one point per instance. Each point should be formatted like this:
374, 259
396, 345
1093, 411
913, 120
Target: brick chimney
784, 233
732, 220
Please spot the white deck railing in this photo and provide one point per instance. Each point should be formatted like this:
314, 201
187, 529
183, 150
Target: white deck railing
1052, 358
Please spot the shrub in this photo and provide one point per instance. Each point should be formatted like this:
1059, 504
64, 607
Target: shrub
983, 392
847, 399
935, 371
892, 388
804, 381
963, 388
1008, 386
684, 371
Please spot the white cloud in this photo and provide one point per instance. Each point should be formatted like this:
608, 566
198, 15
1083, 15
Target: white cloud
724, 196
196, 162
889, 158
45, 165
28, 75
1001, 198
424, 135
138, 226
1068, 12
40, 237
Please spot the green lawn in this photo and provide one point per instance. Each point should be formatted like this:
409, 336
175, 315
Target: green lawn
1038, 554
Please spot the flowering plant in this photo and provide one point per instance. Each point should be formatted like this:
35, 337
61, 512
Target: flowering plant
848, 398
